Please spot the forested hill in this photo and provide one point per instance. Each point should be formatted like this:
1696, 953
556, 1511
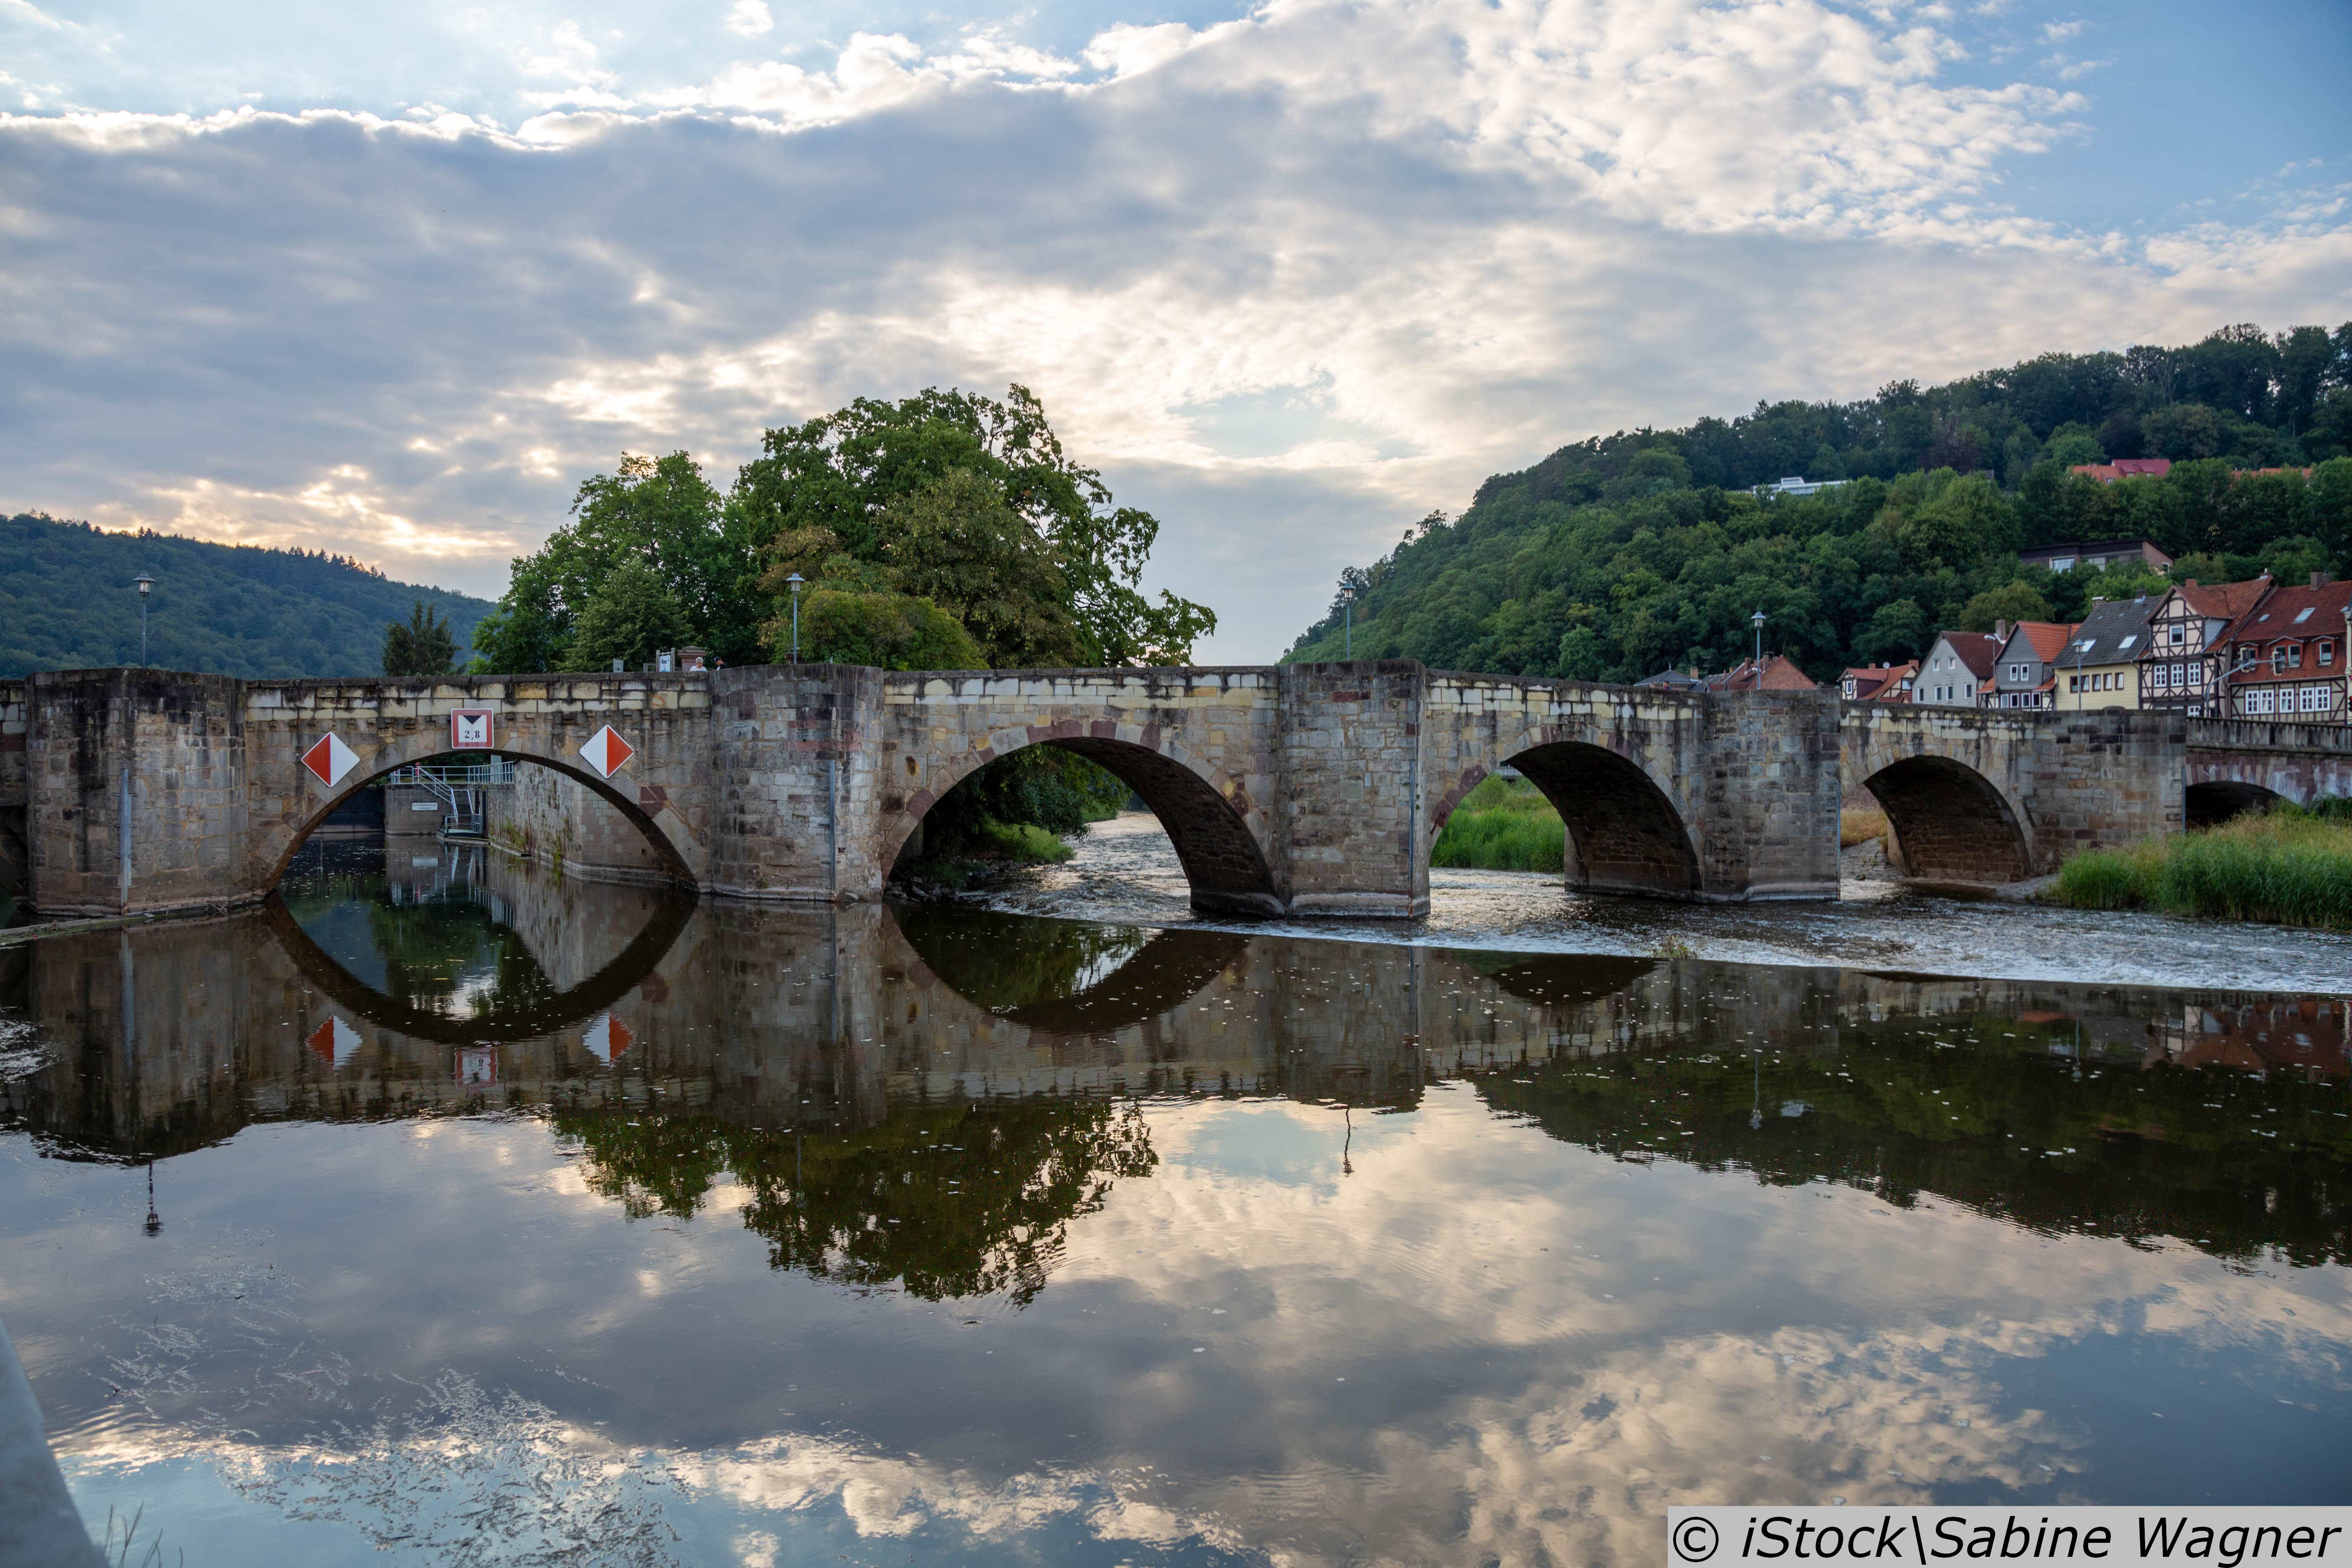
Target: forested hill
1617, 556
67, 603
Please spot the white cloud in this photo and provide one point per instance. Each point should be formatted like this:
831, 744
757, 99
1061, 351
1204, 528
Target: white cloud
750, 18
1476, 229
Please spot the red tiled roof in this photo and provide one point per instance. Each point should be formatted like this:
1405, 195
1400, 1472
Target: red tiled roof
1880, 682
1779, 675
2048, 637
2125, 468
2225, 601
2272, 620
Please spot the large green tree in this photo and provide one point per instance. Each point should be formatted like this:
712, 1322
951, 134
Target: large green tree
660, 514
973, 504
632, 614
422, 644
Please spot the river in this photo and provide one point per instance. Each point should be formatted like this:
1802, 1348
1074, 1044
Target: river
501, 1218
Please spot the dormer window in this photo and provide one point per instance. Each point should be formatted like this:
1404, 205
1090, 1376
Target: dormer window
2326, 652
2295, 656
2278, 661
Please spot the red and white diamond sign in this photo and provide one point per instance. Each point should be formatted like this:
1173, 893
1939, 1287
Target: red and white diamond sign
334, 1041
330, 760
608, 1037
470, 729
605, 752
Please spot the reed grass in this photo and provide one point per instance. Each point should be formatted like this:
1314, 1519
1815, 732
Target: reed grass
1860, 825
1504, 825
2287, 865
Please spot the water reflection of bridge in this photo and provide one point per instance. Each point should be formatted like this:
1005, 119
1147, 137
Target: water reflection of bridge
640, 1007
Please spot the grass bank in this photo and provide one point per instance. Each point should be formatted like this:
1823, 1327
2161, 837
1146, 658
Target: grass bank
1860, 825
2287, 865
1504, 825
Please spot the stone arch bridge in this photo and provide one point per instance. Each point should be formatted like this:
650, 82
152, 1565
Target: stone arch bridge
1293, 789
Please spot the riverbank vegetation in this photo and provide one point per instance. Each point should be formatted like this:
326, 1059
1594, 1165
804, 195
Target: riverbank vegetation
2287, 865
1502, 825
1860, 825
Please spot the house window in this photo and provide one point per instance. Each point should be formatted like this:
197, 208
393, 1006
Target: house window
2260, 700
2326, 652
2314, 699
2295, 656
2278, 661
2197, 673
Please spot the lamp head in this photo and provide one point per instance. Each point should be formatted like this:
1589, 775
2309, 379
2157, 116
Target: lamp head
1757, 620
794, 582
142, 582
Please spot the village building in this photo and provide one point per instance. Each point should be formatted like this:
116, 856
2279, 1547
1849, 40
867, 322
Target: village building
2183, 666
2098, 554
2100, 668
2286, 654
2125, 468
2025, 673
1779, 675
1957, 670
1879, 682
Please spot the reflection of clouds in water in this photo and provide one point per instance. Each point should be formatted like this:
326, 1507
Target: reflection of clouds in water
1544, 1347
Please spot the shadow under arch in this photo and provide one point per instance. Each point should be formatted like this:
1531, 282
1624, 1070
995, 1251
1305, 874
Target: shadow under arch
1557, 979
1063, 977
2210, 805
674, 864
1222, 857
544, 1016
1625, 835
1952, 824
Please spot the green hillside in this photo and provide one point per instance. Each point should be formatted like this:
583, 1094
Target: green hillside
67, 603
1617, 556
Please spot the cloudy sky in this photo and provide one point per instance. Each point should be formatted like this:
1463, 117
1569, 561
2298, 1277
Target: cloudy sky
390, 280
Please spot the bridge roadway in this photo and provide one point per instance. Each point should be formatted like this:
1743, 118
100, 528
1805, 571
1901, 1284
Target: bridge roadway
1290, 789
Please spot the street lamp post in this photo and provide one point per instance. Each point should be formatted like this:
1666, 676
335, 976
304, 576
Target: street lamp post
1348, 602
142, 582
1757, 620
793, 582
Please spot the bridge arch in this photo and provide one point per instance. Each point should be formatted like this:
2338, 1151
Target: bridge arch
1626, 832
1218, 835
544, 1016
646, 808
2210, 801
1953, 824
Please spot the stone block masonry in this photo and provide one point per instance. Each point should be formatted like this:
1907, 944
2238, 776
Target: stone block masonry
13, 851
1305, 789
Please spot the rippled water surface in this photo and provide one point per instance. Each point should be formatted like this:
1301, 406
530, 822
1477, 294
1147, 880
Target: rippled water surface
502, 1219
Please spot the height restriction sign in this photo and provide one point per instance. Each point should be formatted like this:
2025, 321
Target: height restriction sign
470, 729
